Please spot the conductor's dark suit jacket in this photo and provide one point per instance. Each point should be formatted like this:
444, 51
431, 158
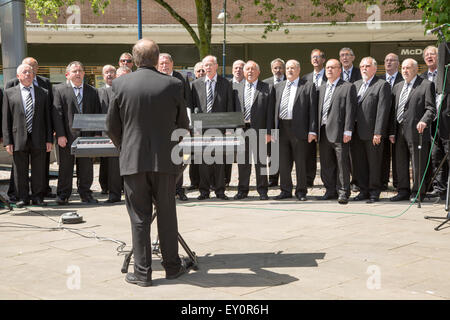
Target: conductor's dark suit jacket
304, 111
342, 111
372, 113
223, 96
146, 108
262, 110
66, 106
420, 106
14, 123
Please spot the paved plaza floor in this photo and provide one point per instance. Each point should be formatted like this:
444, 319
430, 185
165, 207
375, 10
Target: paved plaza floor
247, 250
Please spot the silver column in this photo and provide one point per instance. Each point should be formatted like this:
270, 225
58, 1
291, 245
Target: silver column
12, 24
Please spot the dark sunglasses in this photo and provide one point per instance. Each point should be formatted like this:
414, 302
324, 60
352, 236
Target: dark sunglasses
126, 60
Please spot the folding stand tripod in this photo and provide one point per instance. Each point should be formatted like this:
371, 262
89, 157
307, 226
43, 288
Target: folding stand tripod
192, 263
447, 218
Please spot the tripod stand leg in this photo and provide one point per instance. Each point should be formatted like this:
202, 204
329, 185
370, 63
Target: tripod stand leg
126, 261
189, 252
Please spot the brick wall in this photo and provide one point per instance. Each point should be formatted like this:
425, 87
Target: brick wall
125, 12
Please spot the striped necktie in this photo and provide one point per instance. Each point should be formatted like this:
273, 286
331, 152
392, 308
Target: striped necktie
362, 90
402, 102
316, 80
391, 81
209, 96
29, 111
285, 101
346, 75
327, 103
248, 101
80, 100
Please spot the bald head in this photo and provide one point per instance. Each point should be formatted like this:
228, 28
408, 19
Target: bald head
146, 53
410, 68
33, 63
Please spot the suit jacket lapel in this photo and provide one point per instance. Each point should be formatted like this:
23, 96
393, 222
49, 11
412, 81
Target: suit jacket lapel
18, 97
257, 89
372, 83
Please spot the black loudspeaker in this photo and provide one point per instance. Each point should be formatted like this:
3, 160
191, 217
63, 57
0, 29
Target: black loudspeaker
443, 60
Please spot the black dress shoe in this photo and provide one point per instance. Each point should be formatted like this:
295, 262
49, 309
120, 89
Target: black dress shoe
240, 195
222, 196
131, 278
400, 197
361, 196
263, 196
62, 201
50, 195
373, 199
171, 276
112, 200
22, 203
283, 195
203, 197
343, 199
301, 196
329, 196
89, 200
39, 202
182, 196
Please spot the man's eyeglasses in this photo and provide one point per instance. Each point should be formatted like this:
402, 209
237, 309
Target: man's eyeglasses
126, 60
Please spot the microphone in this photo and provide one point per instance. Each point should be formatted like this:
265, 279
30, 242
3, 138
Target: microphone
437, 28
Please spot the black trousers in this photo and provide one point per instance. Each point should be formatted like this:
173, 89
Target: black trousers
292, 150
273, 178
334, 165
212, 175
142, 191
440, 148
245, 169
103, 174
115, 181
388, 158
367, 164
311, 163
12, 189
194, 174
85, 174
407, 151
22, 161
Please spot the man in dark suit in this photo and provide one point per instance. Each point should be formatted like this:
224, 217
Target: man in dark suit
43, 82
238, 78
439, 185
337, 104
372, 121
104, 94
27, 134
147, 107
165, 65
256, 100
317, 77
414, 100
75, 96
350, 73
278, 68
194, 171
296, 118
212, 93
392, 76
109, 176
